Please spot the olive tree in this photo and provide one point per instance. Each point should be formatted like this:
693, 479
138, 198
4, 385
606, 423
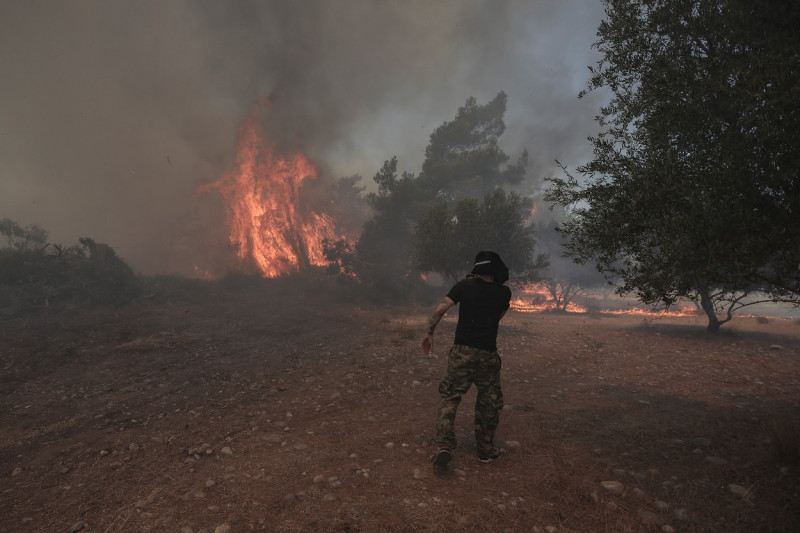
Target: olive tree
693, 189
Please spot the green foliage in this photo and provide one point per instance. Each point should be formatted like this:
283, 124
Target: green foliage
35, 274
693, 188
103, 276
463, 162
447, 238
19, 238
463, 157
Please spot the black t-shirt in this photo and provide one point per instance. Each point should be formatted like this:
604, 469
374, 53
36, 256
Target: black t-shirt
481, 305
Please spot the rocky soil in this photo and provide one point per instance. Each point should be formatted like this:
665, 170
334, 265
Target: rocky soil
282, 410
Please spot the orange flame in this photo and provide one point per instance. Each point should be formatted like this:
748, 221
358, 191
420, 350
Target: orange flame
263, 207
536, 299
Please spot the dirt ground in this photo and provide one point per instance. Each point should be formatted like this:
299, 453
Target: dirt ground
282, 410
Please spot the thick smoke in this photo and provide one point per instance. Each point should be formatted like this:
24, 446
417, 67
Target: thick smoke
114, 111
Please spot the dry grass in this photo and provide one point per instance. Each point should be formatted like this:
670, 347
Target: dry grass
784, 432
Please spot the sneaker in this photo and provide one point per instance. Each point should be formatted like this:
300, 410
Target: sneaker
442, 459
493, 455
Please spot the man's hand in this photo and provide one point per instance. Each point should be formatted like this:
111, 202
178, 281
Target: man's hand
427, 343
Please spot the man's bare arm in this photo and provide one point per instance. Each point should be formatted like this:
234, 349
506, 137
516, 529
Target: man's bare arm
438, 313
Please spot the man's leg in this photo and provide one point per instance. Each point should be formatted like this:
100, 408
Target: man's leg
488, 404
451, 389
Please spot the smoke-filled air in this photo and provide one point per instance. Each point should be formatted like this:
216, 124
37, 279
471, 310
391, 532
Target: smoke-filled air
130, 122
431, 266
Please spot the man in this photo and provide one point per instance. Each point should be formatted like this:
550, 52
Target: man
473, 358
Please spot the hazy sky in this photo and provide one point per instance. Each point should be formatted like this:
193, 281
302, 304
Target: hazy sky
112, 111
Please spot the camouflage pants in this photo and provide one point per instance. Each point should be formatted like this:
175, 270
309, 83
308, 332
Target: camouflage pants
465, 366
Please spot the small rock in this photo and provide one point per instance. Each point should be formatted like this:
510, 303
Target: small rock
271, 437
614, 487
77, 527
17, 471
419, 474
666, 528
739, 490
513, 444
775, 347
223, 528
210, 483
103, 453
661, 505
700, 441
319, 478
716, 460
227, 451
648, 518
389, 445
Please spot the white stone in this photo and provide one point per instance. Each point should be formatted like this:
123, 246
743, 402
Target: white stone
614, 487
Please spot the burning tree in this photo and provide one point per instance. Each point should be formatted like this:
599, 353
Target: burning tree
273, 229
693, 189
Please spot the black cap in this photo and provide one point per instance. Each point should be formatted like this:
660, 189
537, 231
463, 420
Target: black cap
489, 263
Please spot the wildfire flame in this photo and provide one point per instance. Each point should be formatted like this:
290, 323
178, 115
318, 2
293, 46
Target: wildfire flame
536, 299
262, 199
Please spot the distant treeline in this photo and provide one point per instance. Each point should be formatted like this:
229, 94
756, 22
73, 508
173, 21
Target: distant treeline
36, 273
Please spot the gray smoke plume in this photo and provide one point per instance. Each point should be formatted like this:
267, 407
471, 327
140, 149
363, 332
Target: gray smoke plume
114, 111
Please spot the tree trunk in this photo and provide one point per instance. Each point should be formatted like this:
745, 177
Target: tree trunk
708, 307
